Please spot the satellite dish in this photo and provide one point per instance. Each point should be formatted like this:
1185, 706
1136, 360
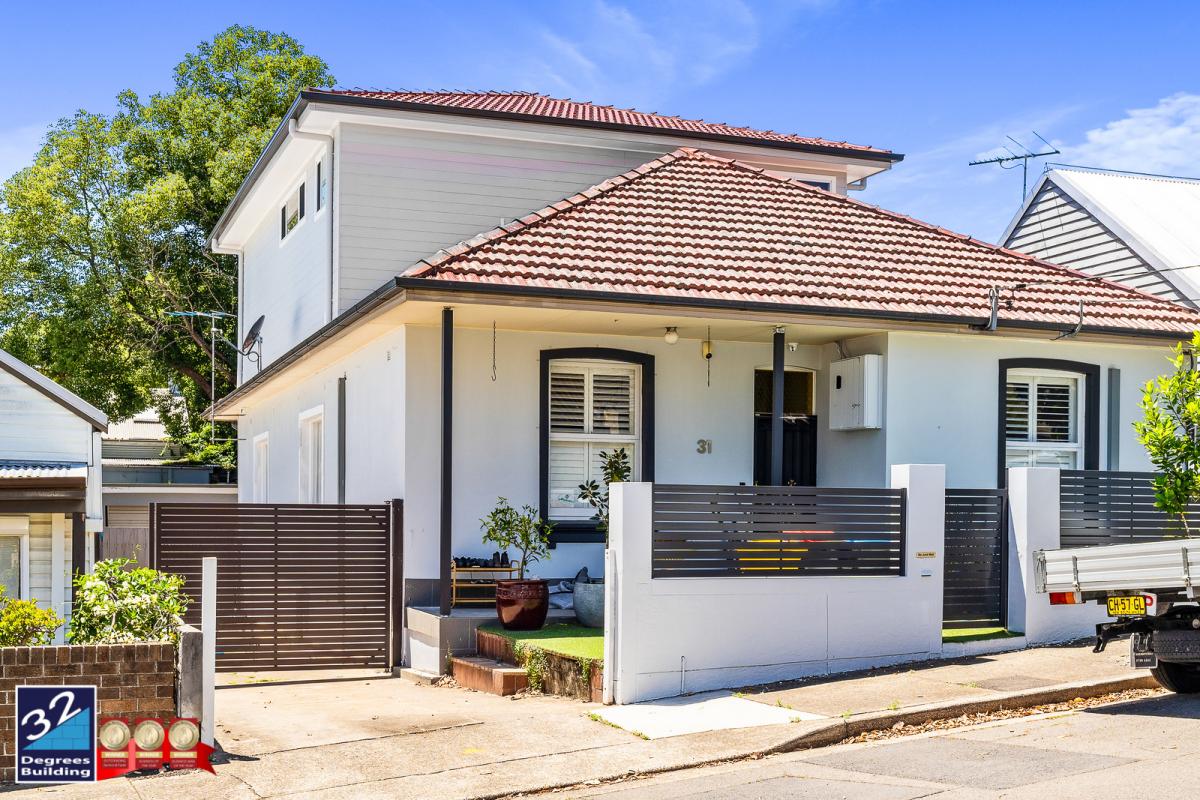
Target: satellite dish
252, 335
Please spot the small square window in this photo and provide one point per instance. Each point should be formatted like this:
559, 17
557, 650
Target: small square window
292, 212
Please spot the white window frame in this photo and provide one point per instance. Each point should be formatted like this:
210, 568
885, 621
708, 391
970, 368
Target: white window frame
322, 174
260, 483
595, 441
17, 526
311, 472
298, 190
1079, 422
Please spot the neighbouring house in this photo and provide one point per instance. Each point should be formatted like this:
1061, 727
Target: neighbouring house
1130, 227
140, 468
50, 485
467, 296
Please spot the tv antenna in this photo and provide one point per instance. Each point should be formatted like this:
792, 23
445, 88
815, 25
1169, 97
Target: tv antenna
1023, 156
253, 339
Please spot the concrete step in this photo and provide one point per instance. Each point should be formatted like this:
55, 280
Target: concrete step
488, 675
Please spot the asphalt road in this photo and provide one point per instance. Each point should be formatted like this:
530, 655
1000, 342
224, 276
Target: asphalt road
1145, 749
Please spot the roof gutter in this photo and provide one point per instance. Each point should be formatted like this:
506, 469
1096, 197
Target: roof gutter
307, 96
398, 288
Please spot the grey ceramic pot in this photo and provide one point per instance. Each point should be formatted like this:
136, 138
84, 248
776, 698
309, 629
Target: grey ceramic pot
589, 603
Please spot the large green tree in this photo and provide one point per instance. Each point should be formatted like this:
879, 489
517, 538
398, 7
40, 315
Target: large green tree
102, 238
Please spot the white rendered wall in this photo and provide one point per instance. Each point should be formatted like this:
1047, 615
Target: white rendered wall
374, 428
675, 635
496, 428
942, 397
1033, 496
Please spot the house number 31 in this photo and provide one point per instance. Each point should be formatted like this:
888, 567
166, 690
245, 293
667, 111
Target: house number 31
704, 446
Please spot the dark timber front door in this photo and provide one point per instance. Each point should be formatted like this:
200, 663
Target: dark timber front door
799, 451
799, 428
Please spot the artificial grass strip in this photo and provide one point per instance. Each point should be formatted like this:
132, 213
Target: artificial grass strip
563, 638
975, 634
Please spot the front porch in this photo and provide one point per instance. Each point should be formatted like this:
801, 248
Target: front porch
529, 396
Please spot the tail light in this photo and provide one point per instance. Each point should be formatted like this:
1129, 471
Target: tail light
1065, 598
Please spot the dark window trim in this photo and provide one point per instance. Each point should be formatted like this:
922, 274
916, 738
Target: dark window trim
318, 185
1091, 407
586, 530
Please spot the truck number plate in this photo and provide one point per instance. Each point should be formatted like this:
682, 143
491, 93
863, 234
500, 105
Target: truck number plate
1134, 606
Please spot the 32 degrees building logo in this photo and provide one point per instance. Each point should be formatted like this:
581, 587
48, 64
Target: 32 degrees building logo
56, 734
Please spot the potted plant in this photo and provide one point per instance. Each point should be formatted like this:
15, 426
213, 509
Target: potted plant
589, 593
521, 604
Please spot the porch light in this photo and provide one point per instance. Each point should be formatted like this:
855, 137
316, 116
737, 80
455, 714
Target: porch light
671, 336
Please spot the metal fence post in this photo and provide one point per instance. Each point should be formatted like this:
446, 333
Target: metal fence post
208, 629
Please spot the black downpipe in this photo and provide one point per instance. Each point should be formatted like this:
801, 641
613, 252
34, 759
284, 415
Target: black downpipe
447, 453
341, 440
777, 409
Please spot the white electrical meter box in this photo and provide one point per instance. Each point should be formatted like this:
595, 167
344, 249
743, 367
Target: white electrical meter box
856, 393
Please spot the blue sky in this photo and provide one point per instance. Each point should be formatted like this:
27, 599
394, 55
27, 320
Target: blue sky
942, 82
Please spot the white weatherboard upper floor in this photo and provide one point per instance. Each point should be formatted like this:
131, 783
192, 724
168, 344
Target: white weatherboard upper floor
349, 197
1137, 229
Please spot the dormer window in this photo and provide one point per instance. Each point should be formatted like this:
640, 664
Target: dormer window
292, 212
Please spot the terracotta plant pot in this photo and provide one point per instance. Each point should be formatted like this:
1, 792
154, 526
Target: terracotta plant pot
522, 605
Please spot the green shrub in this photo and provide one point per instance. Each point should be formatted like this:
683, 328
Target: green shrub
116, 604
23, 624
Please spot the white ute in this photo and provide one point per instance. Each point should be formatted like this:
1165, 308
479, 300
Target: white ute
1150, 591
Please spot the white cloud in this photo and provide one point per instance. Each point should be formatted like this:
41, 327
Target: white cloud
1164, 138
610, 54
18, 146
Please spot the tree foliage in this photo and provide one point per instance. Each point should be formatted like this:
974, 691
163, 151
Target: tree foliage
103, 236
1170, 431
23, 624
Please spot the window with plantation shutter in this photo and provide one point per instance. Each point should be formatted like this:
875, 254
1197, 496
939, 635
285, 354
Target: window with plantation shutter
593, 409
1042, 420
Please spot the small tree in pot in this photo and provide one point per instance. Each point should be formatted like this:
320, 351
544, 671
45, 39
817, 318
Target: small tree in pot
521, 604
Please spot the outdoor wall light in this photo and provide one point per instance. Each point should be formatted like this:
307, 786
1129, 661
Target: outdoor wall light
706, 350
671, 336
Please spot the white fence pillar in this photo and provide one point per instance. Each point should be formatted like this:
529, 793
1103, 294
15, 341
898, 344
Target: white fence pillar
208, 630
925, 540
627, 565
1033, 503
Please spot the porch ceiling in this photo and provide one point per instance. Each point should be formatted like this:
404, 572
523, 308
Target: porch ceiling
742, 327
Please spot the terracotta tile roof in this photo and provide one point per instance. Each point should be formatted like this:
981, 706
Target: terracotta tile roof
531, 104
691, 225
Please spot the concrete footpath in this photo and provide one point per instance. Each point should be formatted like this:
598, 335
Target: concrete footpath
365, 735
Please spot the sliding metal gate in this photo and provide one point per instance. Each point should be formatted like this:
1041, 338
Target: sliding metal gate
298, 586
976, 570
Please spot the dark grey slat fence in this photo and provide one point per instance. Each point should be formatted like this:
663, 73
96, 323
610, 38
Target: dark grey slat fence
757, 531
298, 586
1097, 508
975, 591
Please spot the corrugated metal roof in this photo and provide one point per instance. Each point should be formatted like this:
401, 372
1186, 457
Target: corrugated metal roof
12, 470
1156, 216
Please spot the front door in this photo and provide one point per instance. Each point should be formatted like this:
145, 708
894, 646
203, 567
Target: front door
799, 428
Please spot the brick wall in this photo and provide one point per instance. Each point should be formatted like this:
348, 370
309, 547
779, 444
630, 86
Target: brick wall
134, 680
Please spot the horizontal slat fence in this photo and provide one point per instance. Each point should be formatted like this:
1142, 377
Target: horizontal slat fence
298, 586
757, 531
1098, 508
976, 558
